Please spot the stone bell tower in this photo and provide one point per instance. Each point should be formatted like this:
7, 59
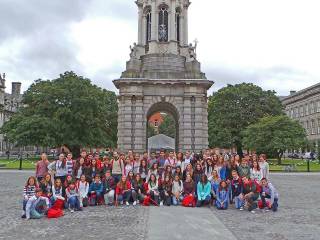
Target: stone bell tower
163, 74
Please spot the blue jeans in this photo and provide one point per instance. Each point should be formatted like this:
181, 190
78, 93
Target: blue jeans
222, 206
73, 203
205, 201
39, 210
176, 201
124, 197
116, 177
24, 204
238, 202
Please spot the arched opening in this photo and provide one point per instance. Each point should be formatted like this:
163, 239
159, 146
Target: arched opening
163, 23
162, 127
148, 24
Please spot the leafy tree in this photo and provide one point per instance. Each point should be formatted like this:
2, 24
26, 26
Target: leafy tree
275, 135
168, 126
65, 111
151, 130
235, 107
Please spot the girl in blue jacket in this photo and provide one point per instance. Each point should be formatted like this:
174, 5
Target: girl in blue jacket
96, 191
203, 191
222, 196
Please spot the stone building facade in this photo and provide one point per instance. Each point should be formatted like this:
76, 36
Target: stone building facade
304, 106
9, 103
163, 75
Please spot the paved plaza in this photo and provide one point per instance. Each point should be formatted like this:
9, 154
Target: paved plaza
298, 217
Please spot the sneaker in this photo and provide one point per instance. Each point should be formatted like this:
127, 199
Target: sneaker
253, 211
241, 208
72, 210
161, 203
138, 201
127, 204
134, 203
121, 202
23, 216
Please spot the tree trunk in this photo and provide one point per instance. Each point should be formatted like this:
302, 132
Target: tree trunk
239, 149
280, 154
75, 151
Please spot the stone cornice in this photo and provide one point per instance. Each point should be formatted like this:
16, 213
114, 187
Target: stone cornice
144, 81
303, 94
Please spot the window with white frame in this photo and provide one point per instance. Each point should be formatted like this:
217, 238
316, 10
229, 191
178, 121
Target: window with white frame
313, 127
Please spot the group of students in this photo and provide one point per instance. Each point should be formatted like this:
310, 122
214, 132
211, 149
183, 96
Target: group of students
189, 180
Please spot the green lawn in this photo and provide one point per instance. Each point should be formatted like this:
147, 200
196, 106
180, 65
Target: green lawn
299, 165
15, 163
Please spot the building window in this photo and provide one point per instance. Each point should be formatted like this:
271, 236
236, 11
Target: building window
307, 127
301, 111
148, 27
318, 126
313, 127
156, 123
318, 106
178, 25
311, 108
163, 24
307, 109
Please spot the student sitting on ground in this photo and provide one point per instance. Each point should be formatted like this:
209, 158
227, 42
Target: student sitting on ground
46, 186
96, 192
222, 196
153, 188
37, 205
215, 183
83, 187
28, 192
138, 194
58, 191
72, 194
251, 192
109, 185
237, 189
203, 191
166, 191
123, 191
177, 189
268, 191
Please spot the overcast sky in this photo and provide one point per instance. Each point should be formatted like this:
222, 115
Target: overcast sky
272, 43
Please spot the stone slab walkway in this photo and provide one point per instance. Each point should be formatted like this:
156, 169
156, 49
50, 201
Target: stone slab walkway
185, 223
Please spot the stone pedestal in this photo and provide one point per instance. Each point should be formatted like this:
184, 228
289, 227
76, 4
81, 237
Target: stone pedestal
185, 100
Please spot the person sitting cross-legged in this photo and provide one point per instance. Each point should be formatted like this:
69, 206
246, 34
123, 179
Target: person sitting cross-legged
203, 191
37, 205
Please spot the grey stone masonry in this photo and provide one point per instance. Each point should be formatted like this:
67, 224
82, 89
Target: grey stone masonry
163, 75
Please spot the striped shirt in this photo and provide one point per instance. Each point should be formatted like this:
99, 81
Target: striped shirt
29, 191
69, 166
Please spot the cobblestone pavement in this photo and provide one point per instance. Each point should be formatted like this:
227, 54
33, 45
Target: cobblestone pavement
298, 216
92, 223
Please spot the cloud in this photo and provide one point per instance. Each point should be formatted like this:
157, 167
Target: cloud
240, 41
